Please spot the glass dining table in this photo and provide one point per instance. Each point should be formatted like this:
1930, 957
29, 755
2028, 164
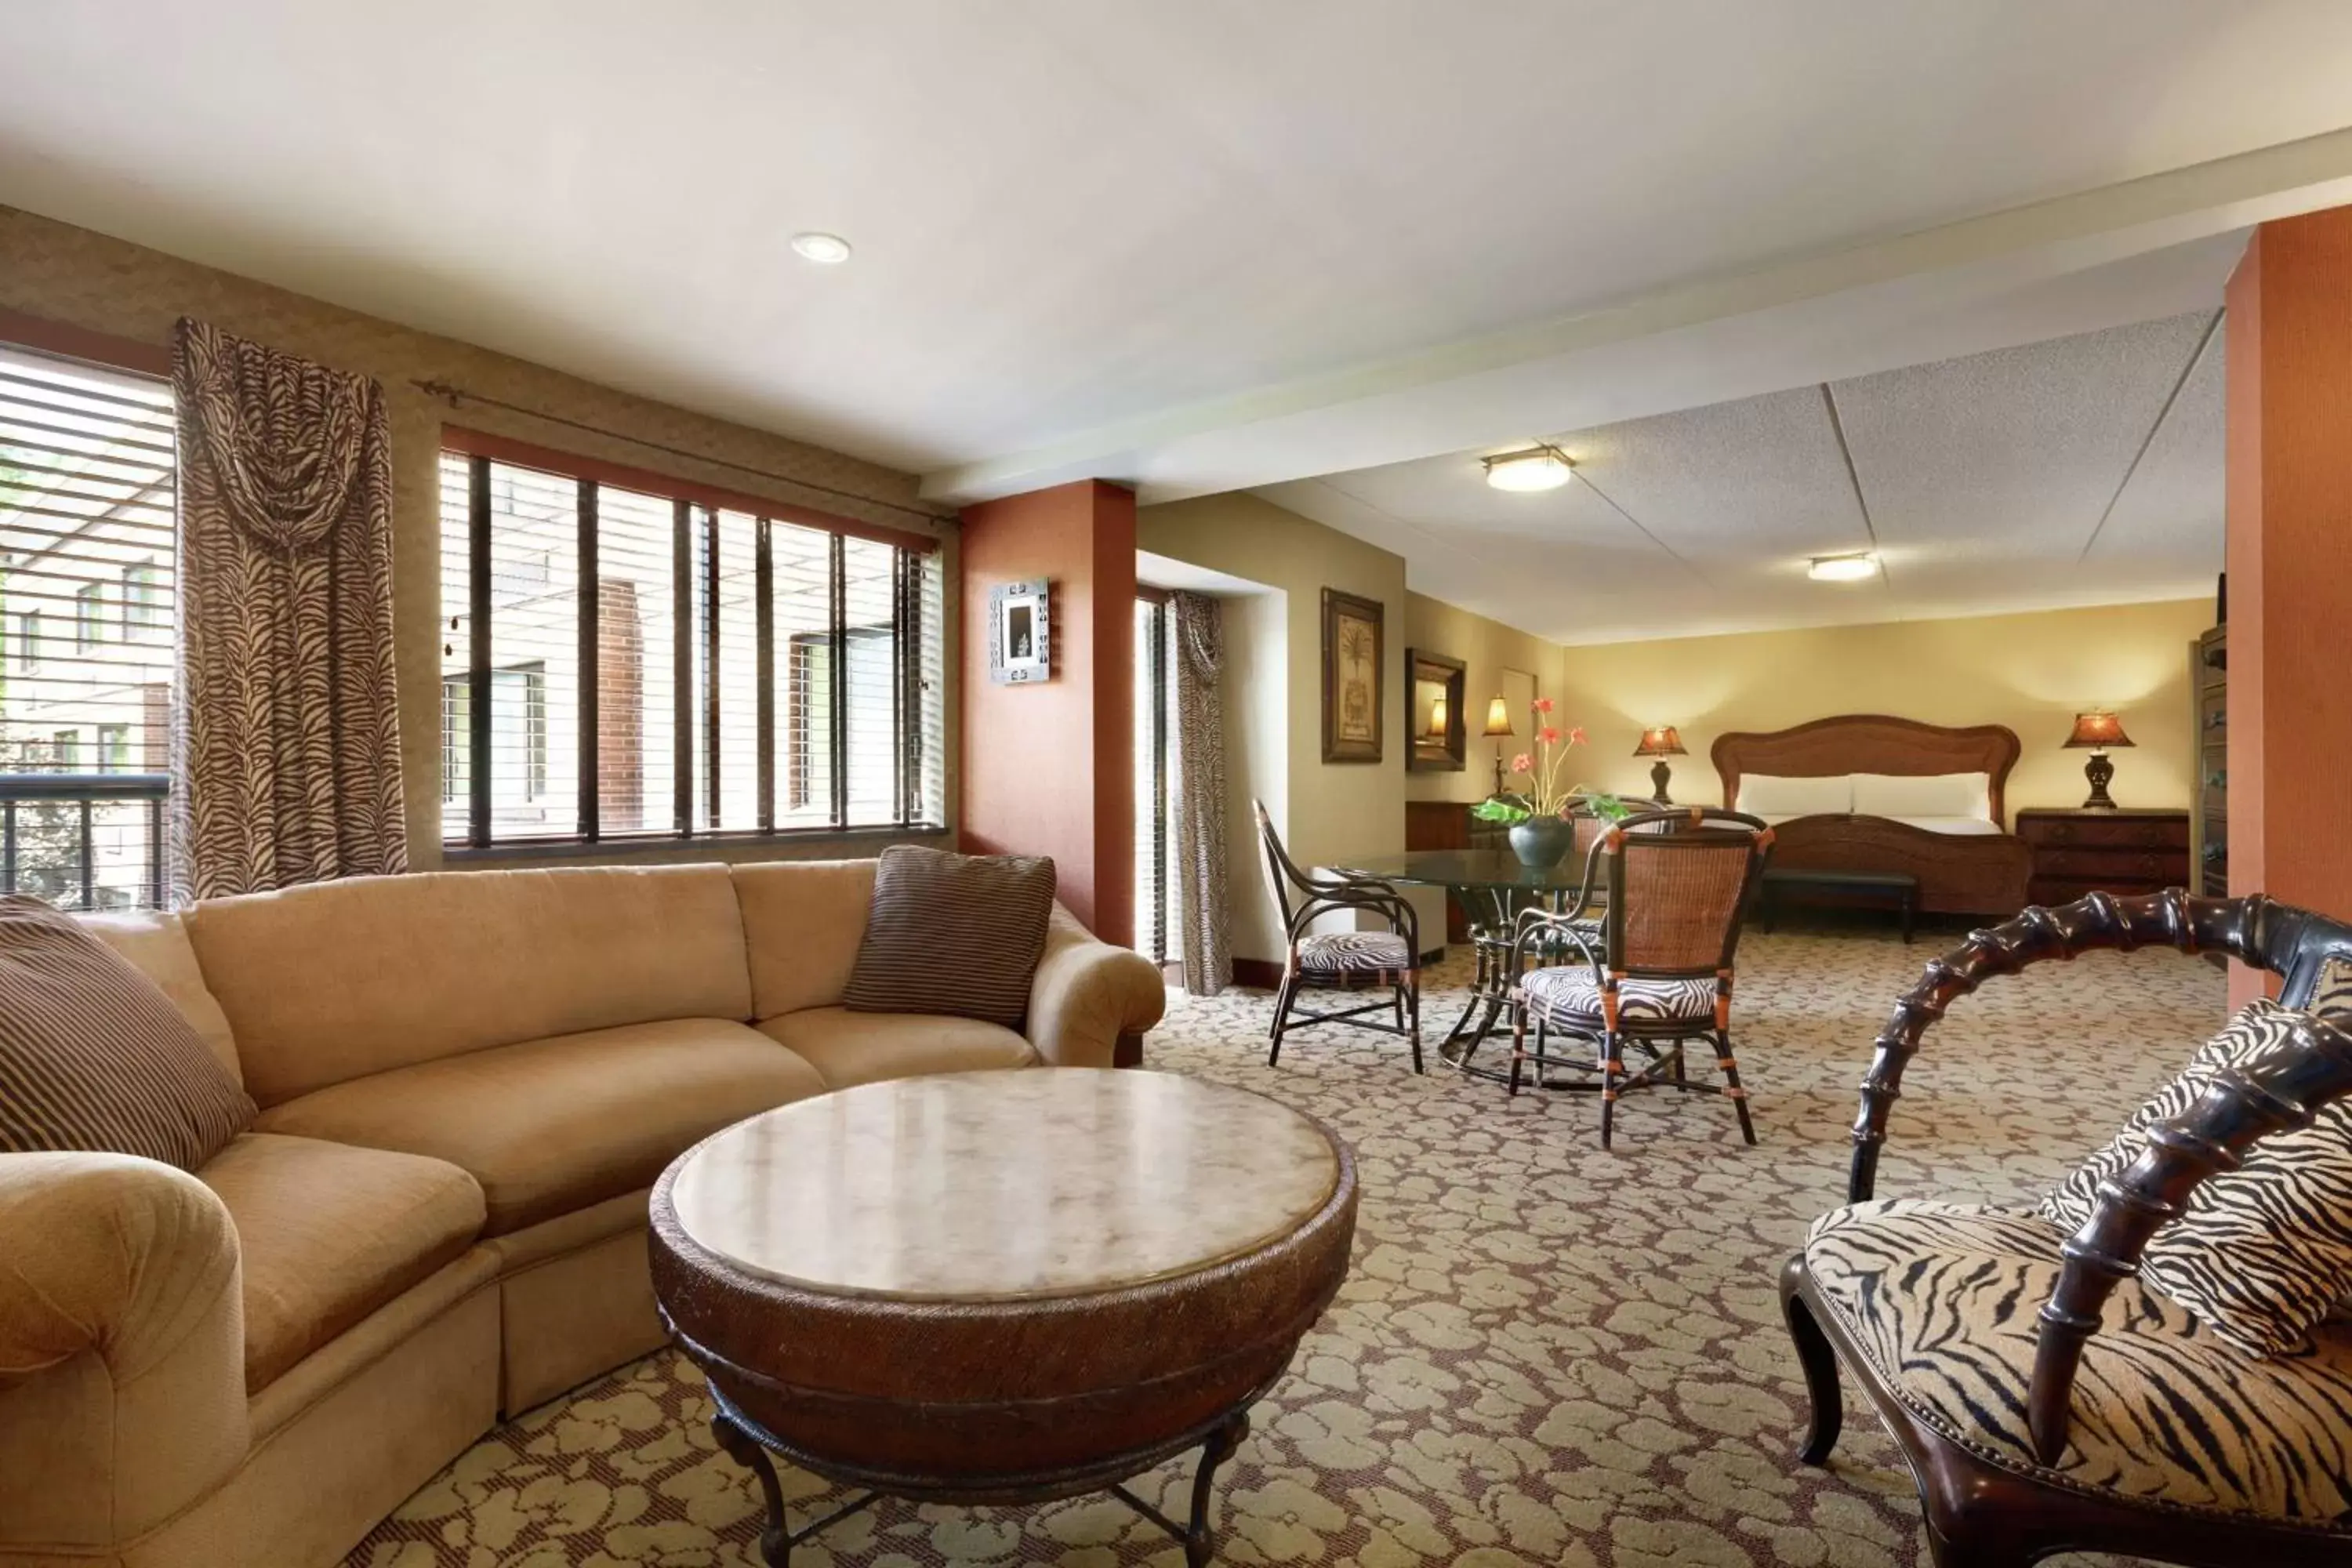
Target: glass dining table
1492, 886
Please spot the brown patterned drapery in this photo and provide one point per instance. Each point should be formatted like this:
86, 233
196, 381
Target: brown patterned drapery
1199, 867
288, 731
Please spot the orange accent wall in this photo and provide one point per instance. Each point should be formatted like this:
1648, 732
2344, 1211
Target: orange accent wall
1049, 769
2289, 453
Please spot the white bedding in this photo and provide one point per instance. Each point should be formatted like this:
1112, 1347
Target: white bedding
1959, 824
1934, 803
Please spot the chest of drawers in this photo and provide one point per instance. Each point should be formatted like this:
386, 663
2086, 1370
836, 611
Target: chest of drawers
2077, 852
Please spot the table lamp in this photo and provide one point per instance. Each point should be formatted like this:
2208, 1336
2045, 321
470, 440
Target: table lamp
1660, 740
2098, 730
1498, 730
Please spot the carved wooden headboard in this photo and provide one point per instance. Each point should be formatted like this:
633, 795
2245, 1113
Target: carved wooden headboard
1868, 744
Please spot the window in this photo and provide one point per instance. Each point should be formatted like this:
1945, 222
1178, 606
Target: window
86, 482
626, 657
89, 616
146, 604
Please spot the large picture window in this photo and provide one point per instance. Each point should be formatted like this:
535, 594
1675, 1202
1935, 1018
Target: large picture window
625, 657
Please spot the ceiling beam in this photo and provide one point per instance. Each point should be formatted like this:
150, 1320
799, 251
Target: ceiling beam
1382, 411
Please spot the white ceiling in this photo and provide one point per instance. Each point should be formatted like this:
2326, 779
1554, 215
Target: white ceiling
2006, 480
1208, 245
1193, 244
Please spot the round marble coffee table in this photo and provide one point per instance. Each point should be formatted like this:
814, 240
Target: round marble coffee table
1000, 1287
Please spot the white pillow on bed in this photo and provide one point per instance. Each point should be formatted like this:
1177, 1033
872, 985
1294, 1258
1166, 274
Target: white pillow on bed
1923, 795
1778, 795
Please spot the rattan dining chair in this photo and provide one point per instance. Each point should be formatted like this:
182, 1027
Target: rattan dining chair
1348, 961
1678, 883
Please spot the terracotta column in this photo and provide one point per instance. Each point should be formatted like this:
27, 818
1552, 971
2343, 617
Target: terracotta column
2290, 565
1050, 769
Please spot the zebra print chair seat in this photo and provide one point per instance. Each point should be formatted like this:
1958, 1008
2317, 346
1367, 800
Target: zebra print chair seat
1571, 997
1942, 1300
2045, 1400
1372, 954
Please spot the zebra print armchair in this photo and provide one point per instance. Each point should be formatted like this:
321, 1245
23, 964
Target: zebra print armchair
2110, 1419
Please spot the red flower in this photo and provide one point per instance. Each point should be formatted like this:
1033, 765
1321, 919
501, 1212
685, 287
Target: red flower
1548, 736
1576, 736
1523, 764
1543, 704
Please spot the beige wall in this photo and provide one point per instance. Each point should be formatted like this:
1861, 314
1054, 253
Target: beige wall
73, 276
2032, 672
1489, 647
1255, 685
1335, 809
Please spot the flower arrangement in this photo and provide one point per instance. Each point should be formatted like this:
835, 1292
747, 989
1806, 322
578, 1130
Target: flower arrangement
1543, 797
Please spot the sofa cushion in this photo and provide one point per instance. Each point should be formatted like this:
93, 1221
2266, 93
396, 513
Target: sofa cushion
849, 1048
339, 980
802, 921
94, 1057
955, 934
549, 1126
329, 1232
157, 945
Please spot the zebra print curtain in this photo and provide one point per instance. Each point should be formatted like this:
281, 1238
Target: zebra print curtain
1199, 866
287, 729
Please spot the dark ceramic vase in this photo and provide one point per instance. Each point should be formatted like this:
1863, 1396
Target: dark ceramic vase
1541, 841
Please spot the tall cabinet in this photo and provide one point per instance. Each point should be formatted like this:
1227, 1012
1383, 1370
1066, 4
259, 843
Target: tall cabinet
2209, 820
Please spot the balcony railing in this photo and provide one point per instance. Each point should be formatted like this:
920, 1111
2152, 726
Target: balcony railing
84, 841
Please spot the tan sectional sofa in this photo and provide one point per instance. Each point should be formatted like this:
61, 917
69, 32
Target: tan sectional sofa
468, 1081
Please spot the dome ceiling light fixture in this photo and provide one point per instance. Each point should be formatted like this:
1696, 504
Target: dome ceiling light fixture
1539, 468
825, 249
1852, 568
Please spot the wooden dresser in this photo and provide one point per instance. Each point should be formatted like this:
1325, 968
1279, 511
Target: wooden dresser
2123, 851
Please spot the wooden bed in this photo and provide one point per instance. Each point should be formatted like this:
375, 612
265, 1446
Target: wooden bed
1980, 874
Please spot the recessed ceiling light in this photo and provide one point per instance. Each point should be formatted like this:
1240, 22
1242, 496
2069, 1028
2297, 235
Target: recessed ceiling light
1536, 469
1843, 568
825, 249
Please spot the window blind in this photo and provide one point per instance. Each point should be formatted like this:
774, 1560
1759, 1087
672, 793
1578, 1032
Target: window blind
86, 620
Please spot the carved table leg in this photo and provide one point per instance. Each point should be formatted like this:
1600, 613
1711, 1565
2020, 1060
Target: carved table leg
1199, 1540
775, 1541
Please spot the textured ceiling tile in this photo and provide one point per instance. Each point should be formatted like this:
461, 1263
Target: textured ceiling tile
1760, 479
2170, 514
2010, 455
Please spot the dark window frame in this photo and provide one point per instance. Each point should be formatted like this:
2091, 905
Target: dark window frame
699, 714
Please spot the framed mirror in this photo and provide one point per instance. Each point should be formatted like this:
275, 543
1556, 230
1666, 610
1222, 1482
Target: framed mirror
1434, 713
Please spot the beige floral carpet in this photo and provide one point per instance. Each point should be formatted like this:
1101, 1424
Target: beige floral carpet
1546, 1354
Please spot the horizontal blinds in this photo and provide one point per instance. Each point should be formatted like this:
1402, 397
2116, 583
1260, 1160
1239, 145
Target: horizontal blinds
748, 674
86, 619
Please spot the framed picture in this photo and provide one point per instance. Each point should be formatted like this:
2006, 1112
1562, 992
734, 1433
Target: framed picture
1020, 632
1354, 661
1437, 742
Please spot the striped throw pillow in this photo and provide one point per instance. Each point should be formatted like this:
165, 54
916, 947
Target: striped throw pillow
2264, 1253
93, 1055
952, 934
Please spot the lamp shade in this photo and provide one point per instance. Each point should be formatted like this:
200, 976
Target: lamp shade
1437, 717
2101, 730
1499, 719
1660, 740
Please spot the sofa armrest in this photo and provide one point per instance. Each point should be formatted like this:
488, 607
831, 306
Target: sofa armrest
121, 1347
1088, 993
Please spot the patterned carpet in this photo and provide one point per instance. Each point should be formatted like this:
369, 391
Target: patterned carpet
1546, 1354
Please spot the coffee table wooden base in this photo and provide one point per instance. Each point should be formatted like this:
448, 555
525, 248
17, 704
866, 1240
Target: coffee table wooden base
750, 1446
